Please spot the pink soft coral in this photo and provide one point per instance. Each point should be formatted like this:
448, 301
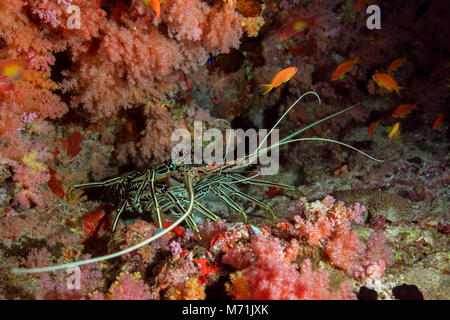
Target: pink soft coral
223, 31
38, 258
317, 220
272, 276
327, 224
345, 250
159, 127
378, 255
76, 284
186, 18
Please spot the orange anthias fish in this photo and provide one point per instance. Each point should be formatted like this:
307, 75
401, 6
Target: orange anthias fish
404, 110
394, 134
296, 26
372, 127
438, 121
155, 5
358, 6
395, 64
343, 68
11, 69
386, 81
282, 76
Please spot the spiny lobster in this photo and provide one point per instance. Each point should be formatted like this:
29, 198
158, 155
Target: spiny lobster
178, 189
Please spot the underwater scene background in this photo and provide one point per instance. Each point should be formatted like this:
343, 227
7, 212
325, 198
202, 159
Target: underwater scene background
94, 90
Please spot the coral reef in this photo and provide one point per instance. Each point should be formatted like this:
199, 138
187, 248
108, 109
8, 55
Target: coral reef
92, 90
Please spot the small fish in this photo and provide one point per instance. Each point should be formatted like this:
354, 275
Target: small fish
358, 6
403, 110
11, 69
155, 5
282, 76
372, 127
296, 26
386, 81
394, 134
437, 123
343, 68
165, 106
396, 64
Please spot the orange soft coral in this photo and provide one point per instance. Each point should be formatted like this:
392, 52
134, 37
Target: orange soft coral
191, 290
40, 79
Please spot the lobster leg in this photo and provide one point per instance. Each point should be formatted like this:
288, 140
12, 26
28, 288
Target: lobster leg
119, 212
93, 185
258, 182
205, 211
142, 186
107, 183
189, 219
225, 198
237, 192
192, 225
155, 200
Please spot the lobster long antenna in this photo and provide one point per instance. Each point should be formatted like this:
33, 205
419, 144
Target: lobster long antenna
257, 151
319, 121
242, 180
332, 141
284, 115
319, 139
226, 151
281, 142
119, 253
